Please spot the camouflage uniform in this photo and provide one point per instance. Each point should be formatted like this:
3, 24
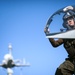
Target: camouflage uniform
67, 67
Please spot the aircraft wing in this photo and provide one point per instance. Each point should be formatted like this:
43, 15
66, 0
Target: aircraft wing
22, 65
64, 35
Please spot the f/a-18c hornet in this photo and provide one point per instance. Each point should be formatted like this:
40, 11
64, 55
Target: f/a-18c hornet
8, 62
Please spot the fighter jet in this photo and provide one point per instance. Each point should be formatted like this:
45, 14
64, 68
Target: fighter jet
8, 62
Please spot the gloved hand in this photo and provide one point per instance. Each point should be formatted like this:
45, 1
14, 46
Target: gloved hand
68, 8
46, 30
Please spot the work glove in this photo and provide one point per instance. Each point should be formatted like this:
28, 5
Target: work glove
68, 8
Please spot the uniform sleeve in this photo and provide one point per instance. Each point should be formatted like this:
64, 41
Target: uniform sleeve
55, 43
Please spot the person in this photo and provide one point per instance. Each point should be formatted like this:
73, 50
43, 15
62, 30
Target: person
67, 67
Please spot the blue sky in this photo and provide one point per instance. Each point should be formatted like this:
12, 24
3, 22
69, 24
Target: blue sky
22, 23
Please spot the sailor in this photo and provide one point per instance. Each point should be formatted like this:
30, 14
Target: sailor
69, 20
67, 67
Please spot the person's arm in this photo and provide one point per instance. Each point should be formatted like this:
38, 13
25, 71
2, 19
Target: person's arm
55, 43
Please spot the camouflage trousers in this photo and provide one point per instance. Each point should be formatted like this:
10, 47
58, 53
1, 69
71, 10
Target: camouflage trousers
66, 68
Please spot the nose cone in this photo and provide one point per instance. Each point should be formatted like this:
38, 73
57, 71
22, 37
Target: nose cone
10, 46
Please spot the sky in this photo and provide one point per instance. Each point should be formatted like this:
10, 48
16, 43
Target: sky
22, 24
